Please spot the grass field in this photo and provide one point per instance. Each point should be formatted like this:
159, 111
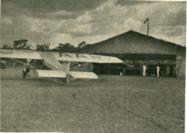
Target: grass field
113, 104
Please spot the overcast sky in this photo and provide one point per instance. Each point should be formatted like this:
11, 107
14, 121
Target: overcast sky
92, 21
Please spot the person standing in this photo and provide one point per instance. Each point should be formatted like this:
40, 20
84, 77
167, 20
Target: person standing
144, 70
158, 71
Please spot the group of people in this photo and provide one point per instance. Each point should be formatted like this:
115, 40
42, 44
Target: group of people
157, 70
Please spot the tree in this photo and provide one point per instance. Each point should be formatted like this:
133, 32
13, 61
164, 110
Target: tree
21, 44
82, 44
67, 47
42, 47
6, 46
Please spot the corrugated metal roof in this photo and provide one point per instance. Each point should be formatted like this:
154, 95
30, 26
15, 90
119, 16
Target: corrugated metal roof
133, 42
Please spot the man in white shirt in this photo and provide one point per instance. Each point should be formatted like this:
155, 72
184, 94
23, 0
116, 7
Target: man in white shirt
144, 70
158, 71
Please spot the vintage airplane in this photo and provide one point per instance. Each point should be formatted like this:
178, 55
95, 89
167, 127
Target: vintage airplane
58, 63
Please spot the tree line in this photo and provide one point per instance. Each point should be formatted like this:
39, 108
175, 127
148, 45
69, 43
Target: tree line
64, 47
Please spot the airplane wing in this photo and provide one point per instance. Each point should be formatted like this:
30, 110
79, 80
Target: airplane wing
62, 74
72, 57
51, 73
90, 58
19, 54
51, 60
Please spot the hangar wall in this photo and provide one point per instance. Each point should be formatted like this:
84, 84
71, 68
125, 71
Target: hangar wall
181, 63
135, 47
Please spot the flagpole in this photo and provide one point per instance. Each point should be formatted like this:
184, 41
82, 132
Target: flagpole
148, 27
147, 21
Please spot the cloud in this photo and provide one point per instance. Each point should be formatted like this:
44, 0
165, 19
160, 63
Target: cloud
170, 31
62, 9
90, 21
175, 34
132, 2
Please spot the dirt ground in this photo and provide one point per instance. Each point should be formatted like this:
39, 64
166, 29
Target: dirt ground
112, 104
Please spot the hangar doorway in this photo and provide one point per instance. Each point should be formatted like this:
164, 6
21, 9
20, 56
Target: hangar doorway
167, 64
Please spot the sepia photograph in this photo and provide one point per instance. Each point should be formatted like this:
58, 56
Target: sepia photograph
92, 66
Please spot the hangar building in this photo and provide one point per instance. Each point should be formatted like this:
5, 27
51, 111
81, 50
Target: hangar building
136, 49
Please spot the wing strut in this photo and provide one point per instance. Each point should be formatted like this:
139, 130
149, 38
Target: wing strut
23, 63
28, 61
